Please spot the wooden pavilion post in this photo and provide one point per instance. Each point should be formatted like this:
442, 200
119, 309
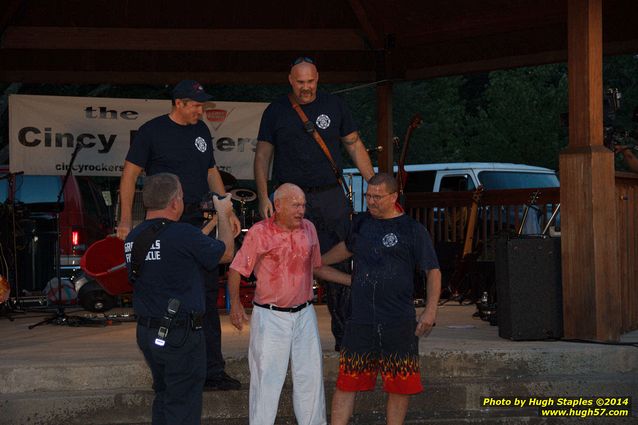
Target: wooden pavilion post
591, 287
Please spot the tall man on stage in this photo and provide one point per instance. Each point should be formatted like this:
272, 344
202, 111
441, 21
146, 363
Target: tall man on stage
382, 334
180, 143
298, 159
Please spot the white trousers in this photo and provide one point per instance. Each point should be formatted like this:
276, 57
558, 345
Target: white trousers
275, 338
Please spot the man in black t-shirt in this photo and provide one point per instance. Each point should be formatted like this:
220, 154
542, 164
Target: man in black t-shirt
382, 332
298, 159
181, 144
172, 262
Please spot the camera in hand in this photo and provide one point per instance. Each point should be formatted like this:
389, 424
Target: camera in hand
206, 205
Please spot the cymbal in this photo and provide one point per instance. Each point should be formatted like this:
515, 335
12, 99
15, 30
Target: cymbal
243, 195
228, 179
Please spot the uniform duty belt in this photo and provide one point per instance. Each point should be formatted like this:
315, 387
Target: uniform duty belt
155, 322
285, 309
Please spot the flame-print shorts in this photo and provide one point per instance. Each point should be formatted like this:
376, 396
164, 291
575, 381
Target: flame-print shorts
391, 349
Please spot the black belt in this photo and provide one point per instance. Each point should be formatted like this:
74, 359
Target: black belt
322, 188
285, 309
155, 323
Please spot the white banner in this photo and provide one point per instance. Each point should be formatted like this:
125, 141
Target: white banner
44, 130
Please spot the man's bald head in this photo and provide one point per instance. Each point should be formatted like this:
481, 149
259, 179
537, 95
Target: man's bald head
287, 190
290, 205
303, 79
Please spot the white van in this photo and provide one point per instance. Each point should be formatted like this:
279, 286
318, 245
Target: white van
460, 176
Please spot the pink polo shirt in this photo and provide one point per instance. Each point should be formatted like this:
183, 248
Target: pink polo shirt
282, 260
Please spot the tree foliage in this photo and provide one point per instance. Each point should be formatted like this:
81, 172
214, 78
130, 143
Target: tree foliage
505, 116
519, 118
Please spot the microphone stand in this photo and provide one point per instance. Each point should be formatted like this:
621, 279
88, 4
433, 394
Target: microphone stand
60, 318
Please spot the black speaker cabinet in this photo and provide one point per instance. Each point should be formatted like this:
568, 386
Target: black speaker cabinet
529, 288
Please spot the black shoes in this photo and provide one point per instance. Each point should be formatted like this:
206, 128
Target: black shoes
222, 382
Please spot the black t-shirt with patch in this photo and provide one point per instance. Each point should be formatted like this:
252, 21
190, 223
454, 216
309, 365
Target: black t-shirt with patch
386, 255
298, 158
163, 146
175, 267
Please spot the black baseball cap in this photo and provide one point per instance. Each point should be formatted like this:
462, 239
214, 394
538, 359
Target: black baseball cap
190, 89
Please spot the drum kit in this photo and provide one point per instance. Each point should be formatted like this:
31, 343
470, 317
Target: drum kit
243, 202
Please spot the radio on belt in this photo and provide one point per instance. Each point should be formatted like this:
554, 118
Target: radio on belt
165, 326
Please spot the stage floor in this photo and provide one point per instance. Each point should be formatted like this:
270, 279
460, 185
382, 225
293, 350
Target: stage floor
456, 329
54, 374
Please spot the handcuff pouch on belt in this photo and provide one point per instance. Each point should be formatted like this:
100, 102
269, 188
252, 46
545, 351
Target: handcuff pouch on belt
197, 321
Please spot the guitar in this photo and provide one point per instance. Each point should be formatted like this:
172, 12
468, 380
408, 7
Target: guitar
468, 256
402, 175
532, 201
5, 289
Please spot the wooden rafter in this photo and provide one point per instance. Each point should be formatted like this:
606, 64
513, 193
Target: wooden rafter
165, 39
166, 77
370, 30
476, 26
7, 14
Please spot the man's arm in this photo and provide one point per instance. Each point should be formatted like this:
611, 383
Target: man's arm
263, 158
127, 193
332, 275
216, 184
210, 225
357, 151
224, 208
427, 319
237, 313
337, 254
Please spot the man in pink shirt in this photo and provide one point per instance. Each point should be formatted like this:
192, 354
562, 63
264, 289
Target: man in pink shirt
283, 251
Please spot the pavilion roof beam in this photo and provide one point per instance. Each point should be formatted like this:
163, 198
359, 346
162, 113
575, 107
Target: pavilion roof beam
165, 39
8, 13
482, 25
165, 77
371, 30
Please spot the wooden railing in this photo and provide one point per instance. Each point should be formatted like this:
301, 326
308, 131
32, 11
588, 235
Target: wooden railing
627, 225
500, 212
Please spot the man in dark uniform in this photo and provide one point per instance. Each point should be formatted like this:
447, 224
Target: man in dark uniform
172, 261
298, 159
382, 333
180, 143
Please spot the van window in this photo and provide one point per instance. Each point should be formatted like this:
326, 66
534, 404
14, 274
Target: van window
494, 180
33, 189
456, 183
420, 181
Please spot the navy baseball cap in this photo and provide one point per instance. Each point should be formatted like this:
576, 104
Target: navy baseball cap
190, 89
